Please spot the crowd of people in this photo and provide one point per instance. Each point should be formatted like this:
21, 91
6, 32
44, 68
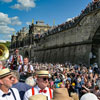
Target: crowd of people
76, 78
33, 80
22, 80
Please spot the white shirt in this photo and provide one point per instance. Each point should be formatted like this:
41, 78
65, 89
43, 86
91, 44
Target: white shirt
25, 68
36, 91
10, 97
11, 58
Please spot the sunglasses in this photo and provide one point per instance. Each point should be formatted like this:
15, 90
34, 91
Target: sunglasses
45, 79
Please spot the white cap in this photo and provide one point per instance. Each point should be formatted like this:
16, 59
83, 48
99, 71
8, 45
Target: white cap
89, 96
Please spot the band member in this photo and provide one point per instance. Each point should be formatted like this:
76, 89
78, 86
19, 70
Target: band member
25, 70
41, 87
6, 92
15, 60
26, 67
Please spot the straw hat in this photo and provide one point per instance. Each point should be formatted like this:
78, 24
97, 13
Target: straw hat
74, 96
61, 94
38, 97
4, 72
42, 73
89, 96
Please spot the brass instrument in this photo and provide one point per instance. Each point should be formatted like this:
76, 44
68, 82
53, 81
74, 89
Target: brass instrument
4, 52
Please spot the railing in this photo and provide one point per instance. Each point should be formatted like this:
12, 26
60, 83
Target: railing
73, 22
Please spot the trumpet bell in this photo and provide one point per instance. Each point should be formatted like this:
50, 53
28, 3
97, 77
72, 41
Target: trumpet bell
4, 52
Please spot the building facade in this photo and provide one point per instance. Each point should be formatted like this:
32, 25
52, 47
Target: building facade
24, 39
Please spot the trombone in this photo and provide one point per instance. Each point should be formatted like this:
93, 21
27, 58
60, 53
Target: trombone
4, 52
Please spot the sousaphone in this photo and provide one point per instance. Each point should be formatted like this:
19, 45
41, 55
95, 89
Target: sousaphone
4, 52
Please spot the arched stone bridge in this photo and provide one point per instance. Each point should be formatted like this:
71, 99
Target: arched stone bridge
78, 44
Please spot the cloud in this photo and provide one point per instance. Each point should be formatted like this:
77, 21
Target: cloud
69, 19
6, 37
6, 30
6, 1
28, 23
4, 41
24, 5
15, 21
5, 22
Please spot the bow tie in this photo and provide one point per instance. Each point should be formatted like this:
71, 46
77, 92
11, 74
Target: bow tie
42, 91
6, 94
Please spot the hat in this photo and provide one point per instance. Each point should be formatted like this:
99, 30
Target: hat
74, 96
89, 96
38, 97
42, 73
4, 72
61, 94
73, 84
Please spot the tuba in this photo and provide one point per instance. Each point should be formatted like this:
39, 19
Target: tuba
4, 52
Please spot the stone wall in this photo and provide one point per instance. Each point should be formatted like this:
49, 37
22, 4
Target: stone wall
73, 44
74, 54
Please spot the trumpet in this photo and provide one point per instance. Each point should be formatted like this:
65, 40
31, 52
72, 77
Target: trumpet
4, 52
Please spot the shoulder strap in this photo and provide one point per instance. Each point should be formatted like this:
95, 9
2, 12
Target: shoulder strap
13, 94
22, 68
33, 91
20, 58
50, 93
28, 68
12, 59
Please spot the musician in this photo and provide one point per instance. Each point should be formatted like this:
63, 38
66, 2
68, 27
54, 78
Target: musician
15, 60
25, 70
26, 67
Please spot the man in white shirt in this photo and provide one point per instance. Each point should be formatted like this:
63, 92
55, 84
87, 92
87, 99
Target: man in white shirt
6, 92
26, 67
41, 88
25, 70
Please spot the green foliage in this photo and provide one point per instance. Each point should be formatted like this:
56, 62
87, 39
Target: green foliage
7, 43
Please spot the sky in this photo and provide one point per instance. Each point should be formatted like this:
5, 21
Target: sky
16, 14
